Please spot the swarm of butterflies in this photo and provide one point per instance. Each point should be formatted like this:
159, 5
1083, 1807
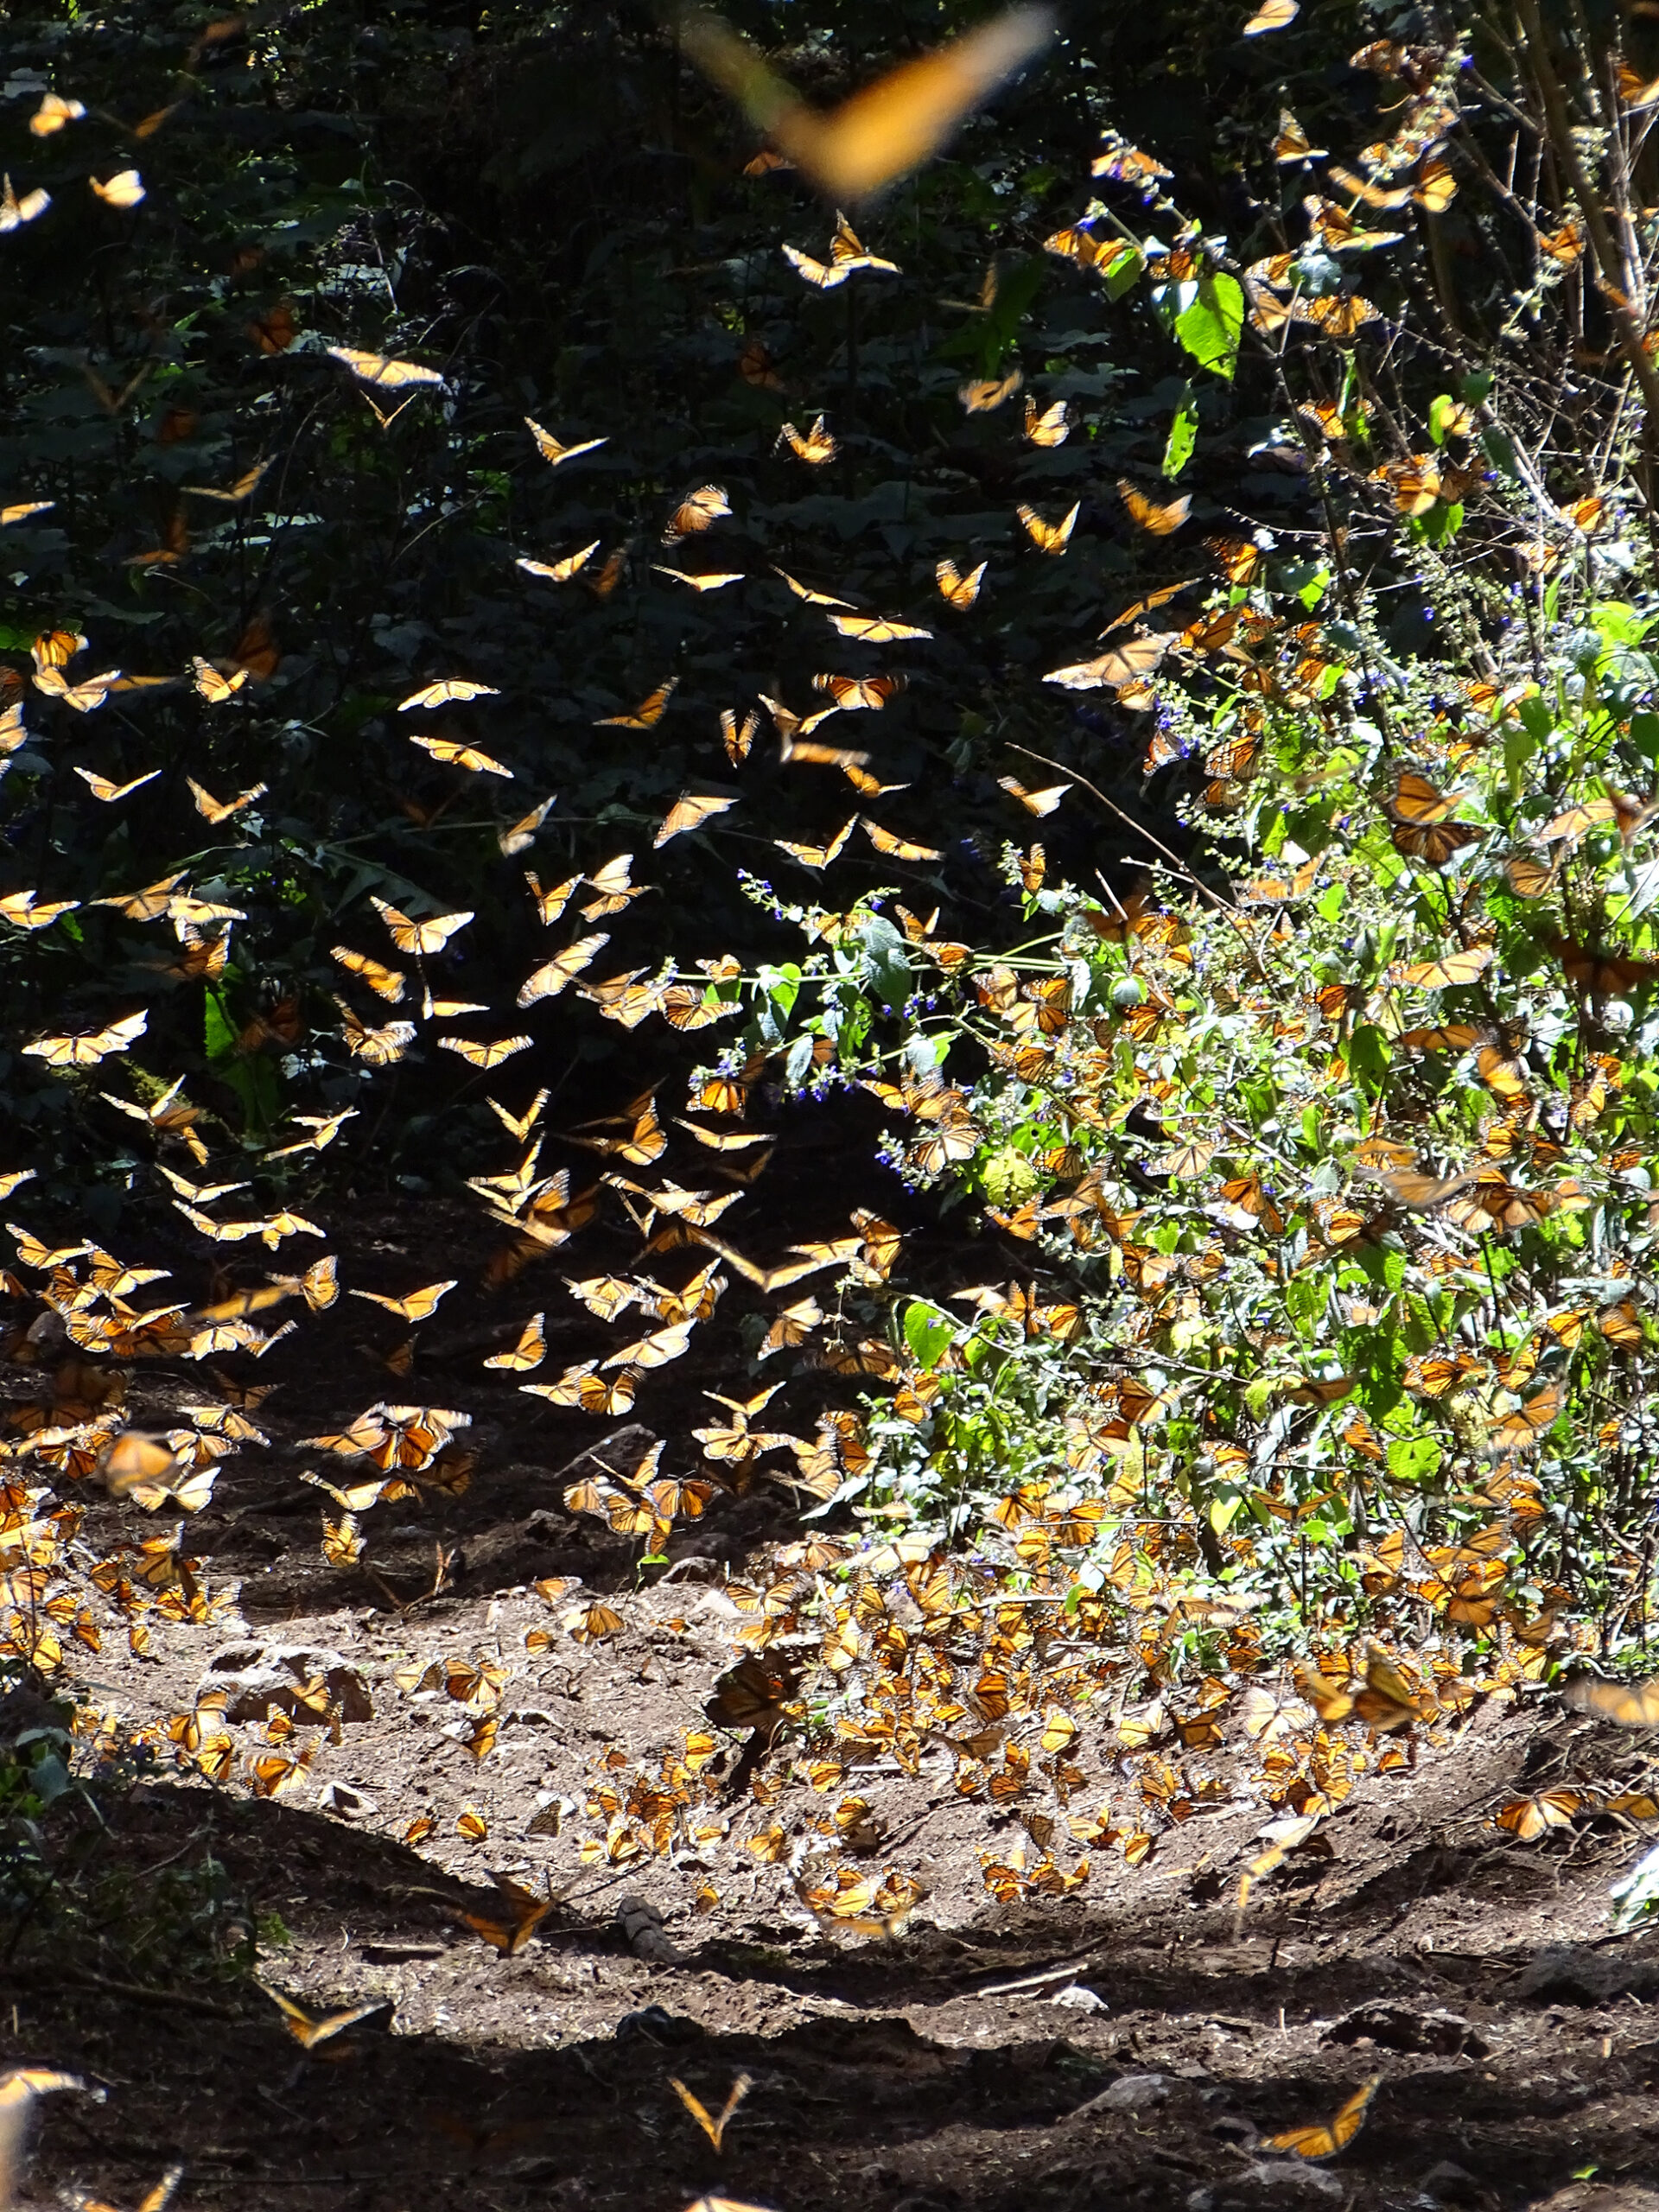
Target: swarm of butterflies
925, 1652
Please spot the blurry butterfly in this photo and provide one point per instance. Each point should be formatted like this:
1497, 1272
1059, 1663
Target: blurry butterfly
376, 1048
1448, 972
456, 755
87, 1048
646, 715
581, 1387
274, 331
386, 375
530, 1350
520, 1125
876, 629
1628, 1705
714, 2129
217, 811
1530, 1817
1602, 975
689, 811
1531, 1421
737, 738
552, 452
15, 212
419, 937
1126, 164
559, 572
102, 789
1040, 803
891, 126
50, 116
816, 447
1049, 537
982, 395
812, 598
1273, 16
519, 836
1321, 2141
385, 982
1051, 428
898, 849
957, 589
851, 693
18, 2091
1159, 521
527, 1912
1293, 144
309, 2030
555, 975
818, 856
125, 189
713, 580
700, 511
419, 1306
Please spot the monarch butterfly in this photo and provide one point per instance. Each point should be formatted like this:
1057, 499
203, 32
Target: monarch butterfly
1124, 665
484, 1056
1293, 144
1037, 803
387, 375
125, 189
647, 714
852, 693
50, 117
819, 856
1496, 1204
1453, 969
217, 811
715, 2129
850, 761
689, 811
957, 589
653, 1351
1127, 164
419, 937
530, 1350
519, 836
1629, 1705
377, 1048
805, 591
581, 1388
1602, 975
1530, 1817
1339, 315
559, 572
698, 512
1528, 1423
898, 849
1320, 2141
419, 1306
981, 396
456, 755
553, 976
816, 447
876, 629
1051, 428
754, 363
84, 698
1147, 515
309, 2029
891, 126
1049, 537
510, 1936
18, 907
15, 212
274, 331
87, 1047
824, 275
551, 451
213, 684
615, 892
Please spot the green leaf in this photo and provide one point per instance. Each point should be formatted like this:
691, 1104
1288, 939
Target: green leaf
1183, 435
1414, 1458
927, 1332
1210, 329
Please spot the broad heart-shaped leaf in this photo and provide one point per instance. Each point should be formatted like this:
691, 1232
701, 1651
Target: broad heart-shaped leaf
927, 1332
1210, 328
1183, 435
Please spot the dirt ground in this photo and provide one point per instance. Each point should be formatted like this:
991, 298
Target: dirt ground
1131, 2042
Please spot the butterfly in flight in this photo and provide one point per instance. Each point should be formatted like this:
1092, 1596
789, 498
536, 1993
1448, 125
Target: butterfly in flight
890, 127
